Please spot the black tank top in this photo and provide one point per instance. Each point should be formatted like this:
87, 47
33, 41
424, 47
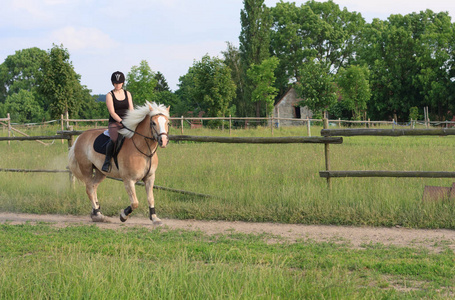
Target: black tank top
120, 107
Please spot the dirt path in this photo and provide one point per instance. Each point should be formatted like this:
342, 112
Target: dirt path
434, 240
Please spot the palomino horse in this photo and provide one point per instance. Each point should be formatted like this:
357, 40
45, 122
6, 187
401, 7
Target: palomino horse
146, 127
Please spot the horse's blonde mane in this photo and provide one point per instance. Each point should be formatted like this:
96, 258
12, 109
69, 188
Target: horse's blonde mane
134, 117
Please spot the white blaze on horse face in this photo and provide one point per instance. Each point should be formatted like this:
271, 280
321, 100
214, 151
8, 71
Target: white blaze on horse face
162, 121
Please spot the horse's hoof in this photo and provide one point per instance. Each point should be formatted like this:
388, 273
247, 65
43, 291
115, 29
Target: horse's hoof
123, 217
98, 218
157, 222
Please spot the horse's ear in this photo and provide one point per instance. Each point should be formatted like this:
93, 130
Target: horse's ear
150, 107
168, 108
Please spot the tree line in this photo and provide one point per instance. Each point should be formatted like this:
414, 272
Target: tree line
335, 60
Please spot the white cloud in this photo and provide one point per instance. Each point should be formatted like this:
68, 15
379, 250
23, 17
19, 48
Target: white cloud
84, 38
24, 14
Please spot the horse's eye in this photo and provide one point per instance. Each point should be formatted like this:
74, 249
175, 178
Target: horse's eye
153, 123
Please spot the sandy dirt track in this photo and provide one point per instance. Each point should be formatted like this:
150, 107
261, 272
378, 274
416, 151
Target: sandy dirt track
434, 240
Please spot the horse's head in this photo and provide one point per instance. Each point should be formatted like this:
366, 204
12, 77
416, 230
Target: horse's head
159, 125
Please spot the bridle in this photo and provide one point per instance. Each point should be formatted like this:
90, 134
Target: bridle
155, 137
155, 132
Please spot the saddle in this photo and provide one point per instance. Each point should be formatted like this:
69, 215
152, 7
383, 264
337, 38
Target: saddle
99, 145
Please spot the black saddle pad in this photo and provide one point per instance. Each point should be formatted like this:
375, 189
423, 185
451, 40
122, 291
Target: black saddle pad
100, 143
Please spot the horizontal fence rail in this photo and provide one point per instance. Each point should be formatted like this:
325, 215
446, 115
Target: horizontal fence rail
384, 173
33, 138
409, 174
258, 140
33, 171
387, 132
240, 140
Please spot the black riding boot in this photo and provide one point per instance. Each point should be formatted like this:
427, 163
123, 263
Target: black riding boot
109, 151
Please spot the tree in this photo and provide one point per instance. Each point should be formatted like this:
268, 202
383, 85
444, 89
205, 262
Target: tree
254, 39
335, 34
91, 108
435, 61
161, 83
355, 89
411, 63
232, 60
185, 94
316, 87
291, 41
213, 86
60, 84
141, 83
263, 78
49, 77
23, 107
315, 30
22, 71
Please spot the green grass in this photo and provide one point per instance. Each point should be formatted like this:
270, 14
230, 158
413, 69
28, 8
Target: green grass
85, 262
249, 182
278, 183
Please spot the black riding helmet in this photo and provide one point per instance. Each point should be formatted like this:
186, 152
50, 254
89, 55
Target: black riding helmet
117, 77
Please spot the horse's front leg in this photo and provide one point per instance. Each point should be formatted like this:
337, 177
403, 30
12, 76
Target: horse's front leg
131, 190
91, 186
151, 199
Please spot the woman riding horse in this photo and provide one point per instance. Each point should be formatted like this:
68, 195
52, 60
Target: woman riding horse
146, 128
118, 102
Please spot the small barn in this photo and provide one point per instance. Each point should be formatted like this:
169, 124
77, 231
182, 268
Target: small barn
287, 107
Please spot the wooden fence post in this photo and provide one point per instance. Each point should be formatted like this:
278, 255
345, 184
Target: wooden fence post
70, 144
271, 123
327, 152
181, 125
426, 116
230, 124
61, 124
308, 125
278, 117
67, 119
9, 127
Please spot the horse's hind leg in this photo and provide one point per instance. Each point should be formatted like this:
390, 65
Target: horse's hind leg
91, 186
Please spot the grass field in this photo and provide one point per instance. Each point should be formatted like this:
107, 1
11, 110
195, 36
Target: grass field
249, 182
85, 262
278, 183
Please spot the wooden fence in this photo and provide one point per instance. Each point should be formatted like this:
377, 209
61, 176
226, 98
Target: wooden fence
328, 136
69, 136
7, 124
272, 122
385, 132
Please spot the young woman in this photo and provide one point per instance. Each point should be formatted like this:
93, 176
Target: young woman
118, 102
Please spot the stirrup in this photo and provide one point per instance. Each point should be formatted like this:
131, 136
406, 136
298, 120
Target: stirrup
106, 167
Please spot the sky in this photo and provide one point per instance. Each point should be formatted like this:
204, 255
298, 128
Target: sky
103, 36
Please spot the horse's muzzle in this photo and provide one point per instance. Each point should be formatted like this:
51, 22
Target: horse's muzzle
163, 140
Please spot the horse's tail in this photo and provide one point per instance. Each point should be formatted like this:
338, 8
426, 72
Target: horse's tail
72, 162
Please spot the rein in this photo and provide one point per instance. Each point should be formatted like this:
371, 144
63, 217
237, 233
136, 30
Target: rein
147, 138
